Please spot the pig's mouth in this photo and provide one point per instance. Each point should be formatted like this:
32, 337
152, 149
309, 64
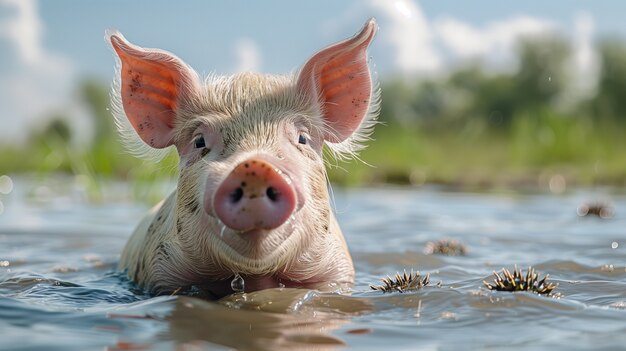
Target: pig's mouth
259, 231
259, 243
288, 226
253, 232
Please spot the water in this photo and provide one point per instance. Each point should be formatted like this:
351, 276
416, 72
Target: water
59, 290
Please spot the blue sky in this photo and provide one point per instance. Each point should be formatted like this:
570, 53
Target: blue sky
205, 33
47, 46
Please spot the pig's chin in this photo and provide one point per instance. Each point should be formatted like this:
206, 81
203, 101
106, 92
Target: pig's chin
259, 244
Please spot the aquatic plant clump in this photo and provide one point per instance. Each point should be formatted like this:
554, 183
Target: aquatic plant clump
518, 281
448, 247
403, 282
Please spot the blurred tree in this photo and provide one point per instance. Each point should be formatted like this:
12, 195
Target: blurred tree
57, 128
96, 96
48, 148
496, 100
609, 101
469, 94
430, 101
396, 100
56, 133
105, 143
542, 75
536, 86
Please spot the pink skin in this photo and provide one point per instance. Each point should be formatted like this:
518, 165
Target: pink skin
250, 172
255, 195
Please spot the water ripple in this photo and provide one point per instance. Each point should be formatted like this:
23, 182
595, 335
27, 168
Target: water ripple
57, 278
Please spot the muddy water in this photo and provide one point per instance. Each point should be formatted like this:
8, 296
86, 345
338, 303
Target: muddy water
59, 290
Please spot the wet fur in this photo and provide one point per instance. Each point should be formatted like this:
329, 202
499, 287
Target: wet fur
177, 244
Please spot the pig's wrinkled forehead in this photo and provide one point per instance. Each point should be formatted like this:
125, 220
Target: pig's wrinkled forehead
248, 110
248, 99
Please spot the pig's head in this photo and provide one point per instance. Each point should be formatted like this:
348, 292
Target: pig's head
252, 190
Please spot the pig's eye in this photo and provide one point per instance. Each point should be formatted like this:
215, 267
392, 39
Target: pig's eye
302, 139
199, 142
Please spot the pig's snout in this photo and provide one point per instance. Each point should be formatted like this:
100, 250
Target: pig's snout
255, 195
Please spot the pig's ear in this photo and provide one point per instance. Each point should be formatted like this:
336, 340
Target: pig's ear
152, 85
338, 79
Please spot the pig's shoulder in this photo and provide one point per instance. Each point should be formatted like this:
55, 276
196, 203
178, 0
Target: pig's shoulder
143, 243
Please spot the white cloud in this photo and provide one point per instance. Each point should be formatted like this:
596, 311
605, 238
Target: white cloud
426, 46
494, 43
24, 29
33, 81
406, 29
248, 56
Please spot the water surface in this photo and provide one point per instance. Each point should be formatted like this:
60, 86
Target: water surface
59, 289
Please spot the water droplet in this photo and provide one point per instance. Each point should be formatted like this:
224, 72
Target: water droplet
549, 79
281, 285
237, 284
6, 184
614, 245
108, 109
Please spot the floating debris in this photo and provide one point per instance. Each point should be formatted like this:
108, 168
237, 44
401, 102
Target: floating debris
448, 247
600, 209
403, 282
517, 281
450, 316
60, 268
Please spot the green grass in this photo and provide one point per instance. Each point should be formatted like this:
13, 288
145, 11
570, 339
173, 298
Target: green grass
93, 167
534, 149
475, 155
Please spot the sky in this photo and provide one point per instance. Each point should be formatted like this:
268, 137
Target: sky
47, 47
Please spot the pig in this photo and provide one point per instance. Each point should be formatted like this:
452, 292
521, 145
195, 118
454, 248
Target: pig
251, 209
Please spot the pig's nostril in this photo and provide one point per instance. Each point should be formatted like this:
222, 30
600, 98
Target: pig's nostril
236, 195
272, 194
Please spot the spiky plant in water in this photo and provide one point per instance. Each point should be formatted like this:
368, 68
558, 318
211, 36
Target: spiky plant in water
449, 247
517, 281
403, 282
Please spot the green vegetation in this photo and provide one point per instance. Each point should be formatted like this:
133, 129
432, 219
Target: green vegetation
470, 128
535, 148
52, 149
